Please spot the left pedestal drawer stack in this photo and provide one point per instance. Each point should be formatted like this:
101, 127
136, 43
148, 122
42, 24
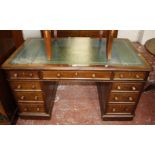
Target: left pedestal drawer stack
29, 94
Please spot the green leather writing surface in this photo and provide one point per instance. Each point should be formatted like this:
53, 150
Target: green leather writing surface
78, 51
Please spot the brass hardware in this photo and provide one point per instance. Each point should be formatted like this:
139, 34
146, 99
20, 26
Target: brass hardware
133, 88
22, 97
130, 98
15, 75
36, 97
58, 74
76, 73
93, 75
118, 87
33, 86
30, 74
19, 86
126, 109
113, 109
137, 76
121, 76
25, 109
116, 98
38, 109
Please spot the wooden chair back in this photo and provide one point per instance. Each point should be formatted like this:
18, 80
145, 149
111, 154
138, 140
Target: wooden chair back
109, 34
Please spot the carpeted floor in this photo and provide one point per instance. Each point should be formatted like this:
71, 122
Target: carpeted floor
78, 103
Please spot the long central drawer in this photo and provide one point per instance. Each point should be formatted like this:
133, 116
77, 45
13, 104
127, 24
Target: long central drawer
106, 75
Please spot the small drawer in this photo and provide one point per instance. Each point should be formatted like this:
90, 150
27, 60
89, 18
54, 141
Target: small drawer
25, 85
76, 75
123, 97
31, 108
120, 109
29, 96
22, 75
129, 75
127, 86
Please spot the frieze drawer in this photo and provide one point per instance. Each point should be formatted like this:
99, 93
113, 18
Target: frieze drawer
22, 75
129, 75
76, 75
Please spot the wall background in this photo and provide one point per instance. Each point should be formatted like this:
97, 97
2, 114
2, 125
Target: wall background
140, 36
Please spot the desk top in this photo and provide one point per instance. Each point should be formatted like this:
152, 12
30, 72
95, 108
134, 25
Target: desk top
76, 52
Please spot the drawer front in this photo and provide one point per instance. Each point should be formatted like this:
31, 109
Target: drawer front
31, 108
76, 74
127, 86
123, 97
129, 75
25, 85
121, 108
22, 75
29, 96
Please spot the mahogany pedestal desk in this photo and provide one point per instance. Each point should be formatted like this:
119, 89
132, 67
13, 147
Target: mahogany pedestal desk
34, 79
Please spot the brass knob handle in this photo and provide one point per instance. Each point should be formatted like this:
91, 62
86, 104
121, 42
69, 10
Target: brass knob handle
22, 97
133, 88
126, 109
113, 109
116, 98
118, 87
130, 98
58, 74
36, 97
19, 86
121, 75
25, 109
30, 74
93, 75
15, 75
137, 76
38, 109
33, 86
76, 73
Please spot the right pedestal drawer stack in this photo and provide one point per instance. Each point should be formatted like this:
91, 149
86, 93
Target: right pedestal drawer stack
124, 95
